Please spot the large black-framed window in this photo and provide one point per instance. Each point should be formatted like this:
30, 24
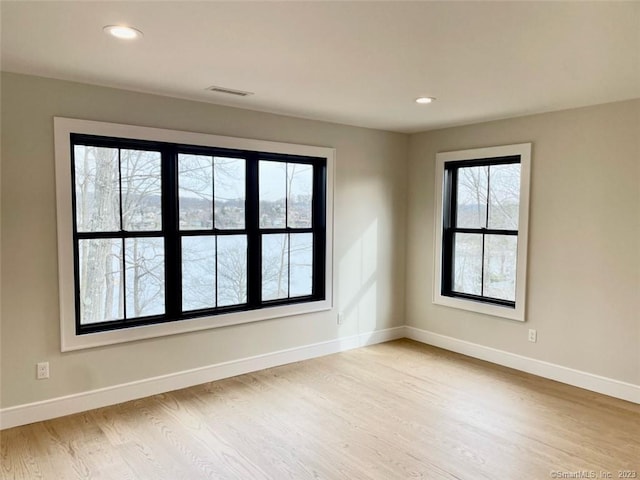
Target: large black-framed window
165, 232
481, 208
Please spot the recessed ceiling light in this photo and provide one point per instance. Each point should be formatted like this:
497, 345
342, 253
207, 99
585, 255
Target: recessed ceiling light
123, 32
424, 100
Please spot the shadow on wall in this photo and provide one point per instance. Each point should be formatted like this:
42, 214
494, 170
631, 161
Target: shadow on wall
357, 270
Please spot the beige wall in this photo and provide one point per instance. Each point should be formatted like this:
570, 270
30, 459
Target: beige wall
369, 238
584, 257
584, 242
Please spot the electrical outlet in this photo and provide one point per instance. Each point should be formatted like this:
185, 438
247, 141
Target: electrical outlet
533, 335
42, 370
340, 318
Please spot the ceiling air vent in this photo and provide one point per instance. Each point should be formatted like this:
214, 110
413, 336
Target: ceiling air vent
229, 91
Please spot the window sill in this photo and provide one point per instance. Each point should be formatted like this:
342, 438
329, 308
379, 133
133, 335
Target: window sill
71, 341
510, 313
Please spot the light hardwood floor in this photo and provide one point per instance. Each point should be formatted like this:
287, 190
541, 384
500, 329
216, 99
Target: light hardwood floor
398, 410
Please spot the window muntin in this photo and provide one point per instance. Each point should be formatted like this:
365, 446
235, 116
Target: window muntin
482, 200
165, 232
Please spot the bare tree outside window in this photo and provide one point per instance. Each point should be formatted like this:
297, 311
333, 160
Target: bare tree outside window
286, 195
212, 191
97, 189
195, 191
301, 264
468, 263
232, 270
115, 271
141, 190
504, 196
229, 187
471, 209
299, 195
487, 198
101, 280
500, 256
275, 266
273, 194
97, 207
144, 276
198, 272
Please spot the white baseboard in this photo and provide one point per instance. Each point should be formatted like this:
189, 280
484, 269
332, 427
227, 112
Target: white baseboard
80, 402
577, 378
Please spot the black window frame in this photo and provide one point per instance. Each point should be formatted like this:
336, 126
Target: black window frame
172, 234
449, 220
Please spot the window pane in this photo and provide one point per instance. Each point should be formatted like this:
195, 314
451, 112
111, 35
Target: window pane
232, 270
500, 254
141, 190
97, 189
467, 256
101, 293
301, 264
195, 191
299, 195
275, 266
472, 197
198, 272
273, 193
144, 280
229, 188
504, 196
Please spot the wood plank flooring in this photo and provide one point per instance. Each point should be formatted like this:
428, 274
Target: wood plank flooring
399, 410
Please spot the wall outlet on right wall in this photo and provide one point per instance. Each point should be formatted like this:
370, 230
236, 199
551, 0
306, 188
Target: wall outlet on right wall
42, 370
533, 335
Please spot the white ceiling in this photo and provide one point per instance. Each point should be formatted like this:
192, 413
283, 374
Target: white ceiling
359, 63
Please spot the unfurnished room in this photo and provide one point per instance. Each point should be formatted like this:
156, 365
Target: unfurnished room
374, 240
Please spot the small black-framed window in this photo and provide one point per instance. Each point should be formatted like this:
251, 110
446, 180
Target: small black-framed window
481, 229
166, 231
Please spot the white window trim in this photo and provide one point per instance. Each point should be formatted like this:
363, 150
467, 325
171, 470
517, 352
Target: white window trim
524, 151
69, 339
